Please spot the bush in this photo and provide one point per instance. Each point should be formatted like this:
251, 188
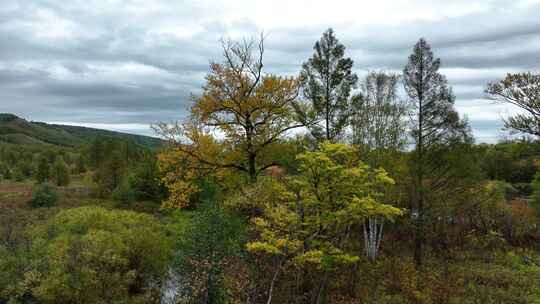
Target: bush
44, 195
120, 255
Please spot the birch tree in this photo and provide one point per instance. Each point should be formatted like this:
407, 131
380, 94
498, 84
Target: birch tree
379, 116
309, 223
378, 128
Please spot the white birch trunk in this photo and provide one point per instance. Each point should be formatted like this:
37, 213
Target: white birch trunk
373, 228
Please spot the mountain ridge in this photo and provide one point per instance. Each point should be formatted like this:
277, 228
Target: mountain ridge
17, 130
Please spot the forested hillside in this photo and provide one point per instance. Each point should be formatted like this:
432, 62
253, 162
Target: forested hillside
324, 187
19, 131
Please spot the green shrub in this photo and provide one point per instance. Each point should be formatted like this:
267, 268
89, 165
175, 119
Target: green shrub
44, 195
120, 255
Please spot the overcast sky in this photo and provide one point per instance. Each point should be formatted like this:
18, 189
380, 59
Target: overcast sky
122, 65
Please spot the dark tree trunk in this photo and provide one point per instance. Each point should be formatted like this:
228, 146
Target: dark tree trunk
419, 234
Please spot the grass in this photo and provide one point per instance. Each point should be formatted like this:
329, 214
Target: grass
77, 194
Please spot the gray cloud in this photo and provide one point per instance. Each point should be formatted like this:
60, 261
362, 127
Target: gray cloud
125, 65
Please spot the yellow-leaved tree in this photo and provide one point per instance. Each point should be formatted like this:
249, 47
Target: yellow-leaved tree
306, 220
240, 114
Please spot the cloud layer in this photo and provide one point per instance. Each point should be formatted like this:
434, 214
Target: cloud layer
125, 64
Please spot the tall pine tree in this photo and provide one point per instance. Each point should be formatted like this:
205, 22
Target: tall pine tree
61, 172
327, 83
435, 126
43, 170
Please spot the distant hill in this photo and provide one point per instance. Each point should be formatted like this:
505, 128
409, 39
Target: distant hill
16, 130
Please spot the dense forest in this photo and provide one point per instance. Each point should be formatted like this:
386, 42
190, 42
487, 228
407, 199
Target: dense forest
324, 187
